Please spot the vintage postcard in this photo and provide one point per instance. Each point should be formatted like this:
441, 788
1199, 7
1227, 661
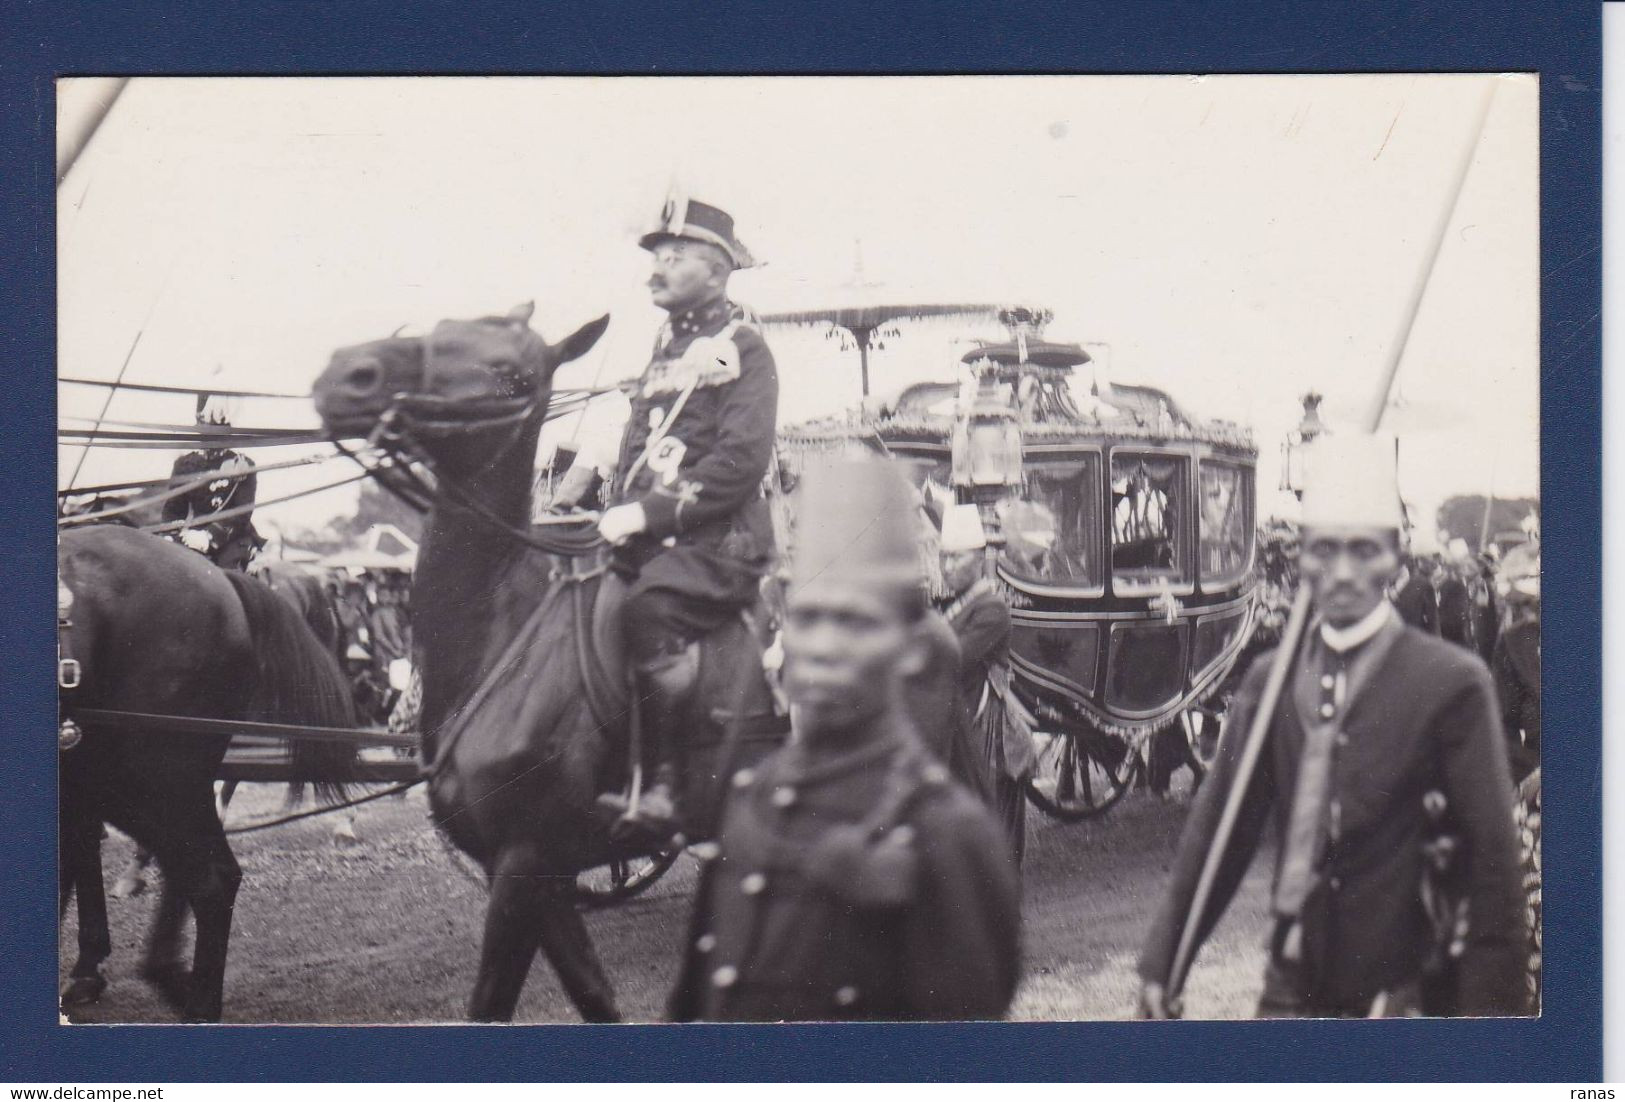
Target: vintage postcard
1025, 548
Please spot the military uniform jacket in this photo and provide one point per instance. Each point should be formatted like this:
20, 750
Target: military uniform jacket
1417, 604
198, 504
701, 482
981, 622
1427, 720
860, 886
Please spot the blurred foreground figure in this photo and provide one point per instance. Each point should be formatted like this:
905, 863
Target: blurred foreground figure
854, 879
1396, 888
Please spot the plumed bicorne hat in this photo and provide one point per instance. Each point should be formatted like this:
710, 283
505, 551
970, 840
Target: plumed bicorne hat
216, 409
693, 220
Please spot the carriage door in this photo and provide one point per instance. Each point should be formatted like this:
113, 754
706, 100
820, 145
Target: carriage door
1224, 558
1151, 550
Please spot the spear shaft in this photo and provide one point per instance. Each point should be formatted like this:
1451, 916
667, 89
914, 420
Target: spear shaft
1292, 634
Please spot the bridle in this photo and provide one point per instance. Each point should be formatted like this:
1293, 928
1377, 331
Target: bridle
411, 416
396, 436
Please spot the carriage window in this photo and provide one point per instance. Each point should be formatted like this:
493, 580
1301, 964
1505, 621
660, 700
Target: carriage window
1150, 508
1053, 531
1227, 519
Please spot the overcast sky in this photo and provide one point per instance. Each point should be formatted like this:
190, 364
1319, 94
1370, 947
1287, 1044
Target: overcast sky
1235, 240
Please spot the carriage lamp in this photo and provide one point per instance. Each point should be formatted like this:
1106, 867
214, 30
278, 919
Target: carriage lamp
987, 438
1295, 448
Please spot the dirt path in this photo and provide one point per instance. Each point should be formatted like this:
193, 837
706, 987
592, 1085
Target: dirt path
388, 931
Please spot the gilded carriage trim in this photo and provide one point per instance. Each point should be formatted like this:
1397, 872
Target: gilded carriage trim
1122, 529
1057, 618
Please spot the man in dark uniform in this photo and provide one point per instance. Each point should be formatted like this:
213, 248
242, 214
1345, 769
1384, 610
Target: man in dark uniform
229, 542
980, 619
1414, 598
1455, 600
687, 517
1380, 731
1486, 614
1516, 661
852, 878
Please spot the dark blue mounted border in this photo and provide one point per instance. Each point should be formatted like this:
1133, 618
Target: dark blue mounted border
1561, 41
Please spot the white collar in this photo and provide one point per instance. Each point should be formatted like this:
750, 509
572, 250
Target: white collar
1343, 640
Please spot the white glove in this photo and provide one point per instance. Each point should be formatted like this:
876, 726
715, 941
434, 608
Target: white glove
197, 539
621, 523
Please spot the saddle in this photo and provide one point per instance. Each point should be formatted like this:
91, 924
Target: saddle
745, 722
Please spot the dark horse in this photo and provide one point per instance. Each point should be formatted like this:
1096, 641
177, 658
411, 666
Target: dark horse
517, 740
159, 629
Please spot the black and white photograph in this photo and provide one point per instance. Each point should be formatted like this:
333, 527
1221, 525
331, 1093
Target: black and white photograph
798, 549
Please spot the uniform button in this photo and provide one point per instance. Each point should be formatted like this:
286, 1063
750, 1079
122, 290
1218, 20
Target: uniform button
706, 943
1336, 884
784, 796
903, 834
1327, 681
1342, 738
725, 977
846, 996
744, 778
934, 774
753, 884
1328, 710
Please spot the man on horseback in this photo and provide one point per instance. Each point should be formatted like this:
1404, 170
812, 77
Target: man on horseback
687, 518
230, 541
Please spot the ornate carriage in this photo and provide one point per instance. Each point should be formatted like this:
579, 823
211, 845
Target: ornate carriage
1121, 528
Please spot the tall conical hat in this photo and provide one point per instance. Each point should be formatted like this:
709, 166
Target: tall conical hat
1353, 481
857, 520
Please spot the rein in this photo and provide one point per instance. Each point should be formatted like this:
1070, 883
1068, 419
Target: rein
396, 434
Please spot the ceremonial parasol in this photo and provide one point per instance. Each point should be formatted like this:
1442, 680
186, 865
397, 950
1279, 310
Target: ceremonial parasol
863, 308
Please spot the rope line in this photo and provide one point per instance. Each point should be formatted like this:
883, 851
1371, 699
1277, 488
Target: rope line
242, 510
159, 388
148, 483
312, 813
178, 490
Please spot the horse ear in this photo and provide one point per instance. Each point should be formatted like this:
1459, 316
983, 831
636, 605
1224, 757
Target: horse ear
576, 344
520, 315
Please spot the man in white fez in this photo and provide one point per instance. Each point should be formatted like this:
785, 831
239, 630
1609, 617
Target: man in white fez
1384, 737
687, 518
852, 879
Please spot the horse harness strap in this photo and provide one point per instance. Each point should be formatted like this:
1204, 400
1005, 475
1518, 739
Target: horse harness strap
603, 675
69, 673
457, 722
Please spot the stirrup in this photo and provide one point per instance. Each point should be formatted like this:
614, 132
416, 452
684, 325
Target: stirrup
654, 822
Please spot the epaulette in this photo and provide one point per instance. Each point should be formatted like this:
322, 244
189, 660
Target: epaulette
707, 361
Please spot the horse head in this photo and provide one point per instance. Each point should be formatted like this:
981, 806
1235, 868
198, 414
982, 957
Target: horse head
466, 392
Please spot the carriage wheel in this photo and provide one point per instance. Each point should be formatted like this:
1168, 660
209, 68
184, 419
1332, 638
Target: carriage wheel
1202, 726
1080, 774
622, 878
